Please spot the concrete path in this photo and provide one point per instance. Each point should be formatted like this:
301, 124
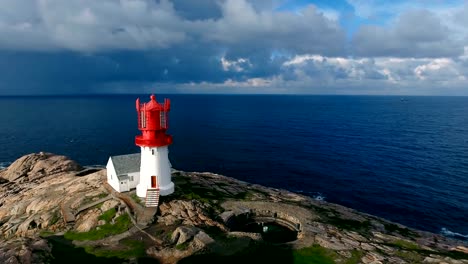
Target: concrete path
69, 215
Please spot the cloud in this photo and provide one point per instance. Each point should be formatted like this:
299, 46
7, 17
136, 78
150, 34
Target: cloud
439, 70
234, 46
417, 33
238, 65
93, 26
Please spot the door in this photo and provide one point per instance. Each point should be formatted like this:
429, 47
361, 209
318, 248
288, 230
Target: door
153, 181
124, 186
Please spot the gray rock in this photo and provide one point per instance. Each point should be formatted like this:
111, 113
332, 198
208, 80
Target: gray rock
183, 234
226, 216
202, 240
109, 204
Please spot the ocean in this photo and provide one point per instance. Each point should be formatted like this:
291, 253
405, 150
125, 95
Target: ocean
403, 159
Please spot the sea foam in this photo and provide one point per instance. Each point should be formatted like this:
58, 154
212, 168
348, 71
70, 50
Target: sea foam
4, 164
318, 196
444, 231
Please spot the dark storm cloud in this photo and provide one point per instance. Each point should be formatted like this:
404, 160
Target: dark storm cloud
417, 33
88, 46
87, 43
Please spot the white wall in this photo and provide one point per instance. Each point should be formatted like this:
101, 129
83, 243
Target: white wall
136, 179
155, 161
166, 186
112, 178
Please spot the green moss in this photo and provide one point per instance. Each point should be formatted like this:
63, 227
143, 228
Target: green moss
102, 195
89, 199
182, 246
46, 233
56, 216
122, 224
130, 249
350, 224
248, 195
108, 215
314, 254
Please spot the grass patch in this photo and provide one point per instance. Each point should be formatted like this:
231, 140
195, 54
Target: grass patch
314, 254
131, 249
409, 256
122, 224
450, 254
355, 258
194, 196
136, 198
108, 215
403, 244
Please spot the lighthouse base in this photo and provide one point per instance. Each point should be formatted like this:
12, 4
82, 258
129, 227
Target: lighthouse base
168, 189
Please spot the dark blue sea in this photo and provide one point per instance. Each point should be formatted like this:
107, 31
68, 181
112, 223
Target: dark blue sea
404, 159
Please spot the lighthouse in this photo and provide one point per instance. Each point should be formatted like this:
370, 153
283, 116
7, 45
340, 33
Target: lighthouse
155, 168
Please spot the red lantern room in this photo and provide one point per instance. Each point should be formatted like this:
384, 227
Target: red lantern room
153, 123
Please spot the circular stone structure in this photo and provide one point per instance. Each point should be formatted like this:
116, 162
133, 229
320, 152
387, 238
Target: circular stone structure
269, 226
270, 231
275, 222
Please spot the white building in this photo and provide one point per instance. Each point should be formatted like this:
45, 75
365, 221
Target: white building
123, 172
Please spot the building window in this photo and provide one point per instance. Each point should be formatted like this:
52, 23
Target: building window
131, 178
111, 176
152, 151
121, 182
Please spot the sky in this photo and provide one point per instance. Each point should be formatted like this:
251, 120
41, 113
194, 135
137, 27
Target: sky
373, 47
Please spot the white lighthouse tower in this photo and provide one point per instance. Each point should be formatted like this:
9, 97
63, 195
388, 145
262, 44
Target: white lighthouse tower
155, 168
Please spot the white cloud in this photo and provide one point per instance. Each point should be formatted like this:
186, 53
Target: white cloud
439, 70
238, 65
418, 74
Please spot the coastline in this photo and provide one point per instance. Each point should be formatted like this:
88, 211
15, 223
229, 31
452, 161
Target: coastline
207, 215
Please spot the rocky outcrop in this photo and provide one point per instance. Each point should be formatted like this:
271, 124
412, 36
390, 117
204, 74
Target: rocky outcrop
35, 166
186, 241
190, 213
38, 184
25, 250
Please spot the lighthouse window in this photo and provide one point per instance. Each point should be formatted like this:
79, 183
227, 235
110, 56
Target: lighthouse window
163, 119
143, 119
152, 151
